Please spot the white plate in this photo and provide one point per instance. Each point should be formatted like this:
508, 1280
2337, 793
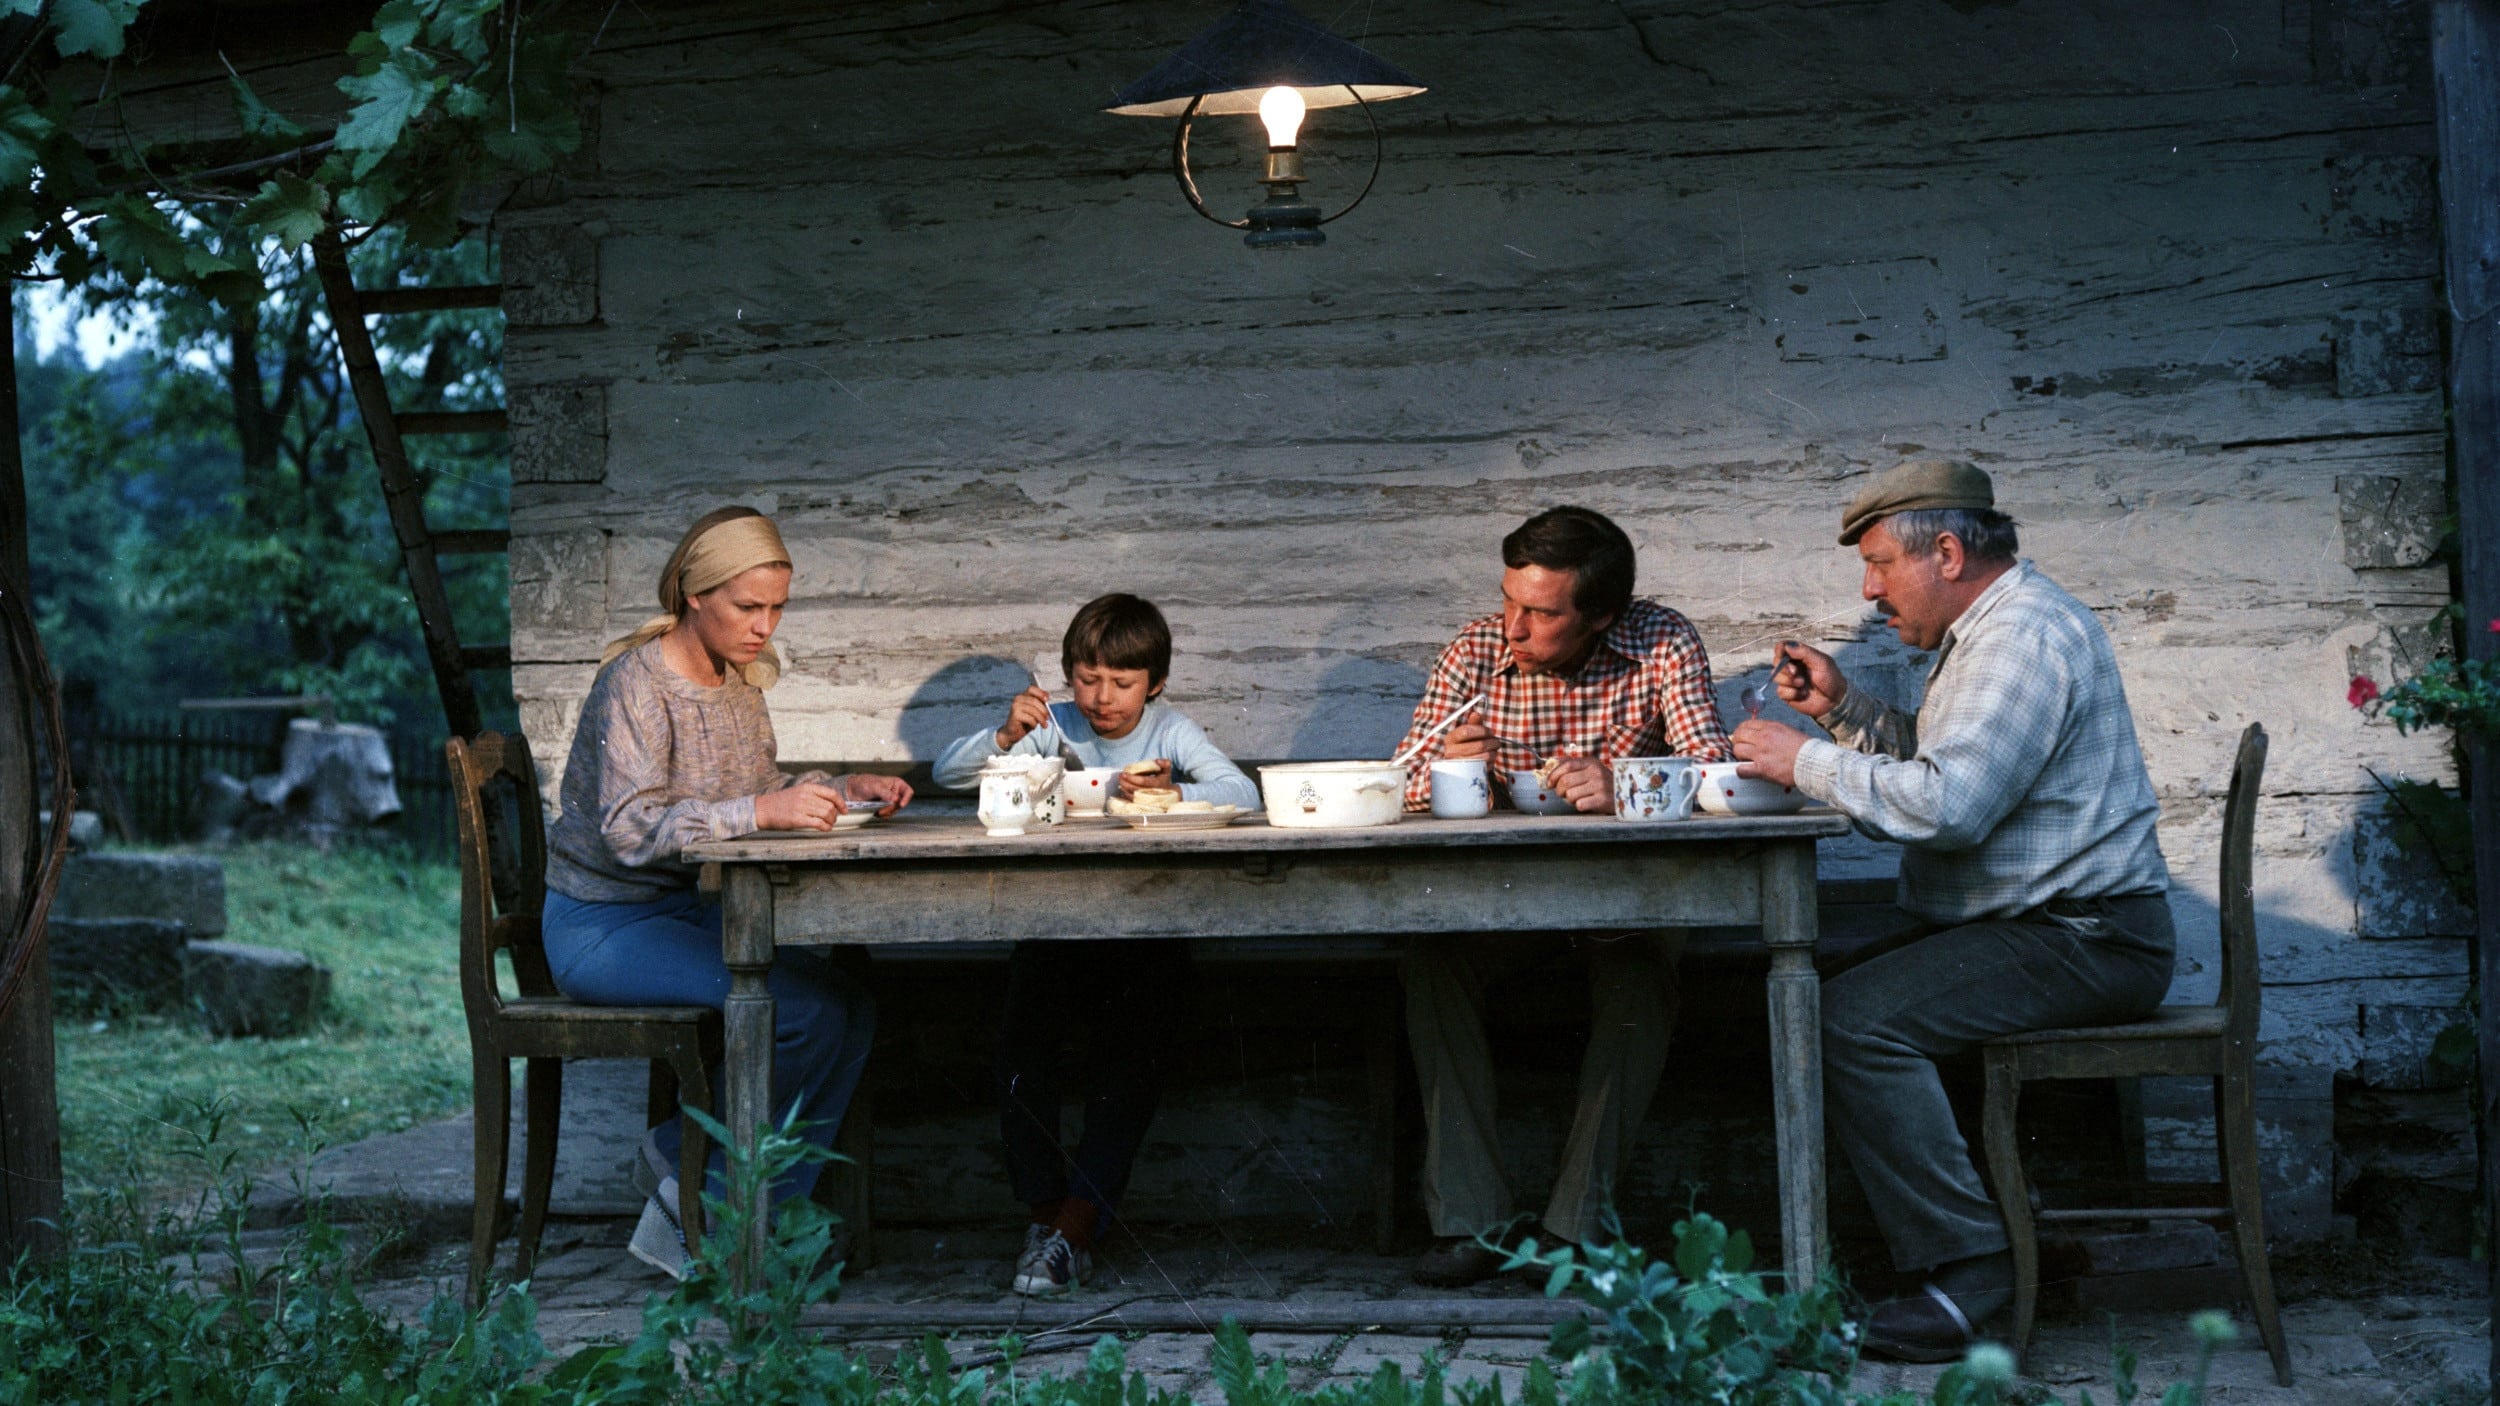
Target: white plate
847, 820
1186, 820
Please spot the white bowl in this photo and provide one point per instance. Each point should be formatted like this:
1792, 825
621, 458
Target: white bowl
1333, 795
1723, 792
1534, 797
1087, 788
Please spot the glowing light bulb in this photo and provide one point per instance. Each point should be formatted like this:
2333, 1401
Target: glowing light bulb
1281, 109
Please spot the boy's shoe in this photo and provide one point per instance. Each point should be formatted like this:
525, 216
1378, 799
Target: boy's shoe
1050, 1264
652, 1167
659, 1241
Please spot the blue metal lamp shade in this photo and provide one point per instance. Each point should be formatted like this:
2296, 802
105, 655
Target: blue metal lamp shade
1263, 44
1237, 64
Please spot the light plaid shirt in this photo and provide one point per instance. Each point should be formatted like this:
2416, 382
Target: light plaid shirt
2019, 780
1643, 691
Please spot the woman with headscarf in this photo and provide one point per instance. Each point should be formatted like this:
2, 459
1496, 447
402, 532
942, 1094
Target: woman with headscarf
673, 748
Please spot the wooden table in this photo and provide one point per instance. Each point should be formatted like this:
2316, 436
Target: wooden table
935, 877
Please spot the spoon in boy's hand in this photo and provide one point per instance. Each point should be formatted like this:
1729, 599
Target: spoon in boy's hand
1059, 728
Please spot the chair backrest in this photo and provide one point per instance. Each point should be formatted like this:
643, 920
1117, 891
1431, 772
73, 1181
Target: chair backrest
2241, 989
503, 869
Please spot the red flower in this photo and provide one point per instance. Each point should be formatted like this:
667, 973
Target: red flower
2363, 693
2494, 627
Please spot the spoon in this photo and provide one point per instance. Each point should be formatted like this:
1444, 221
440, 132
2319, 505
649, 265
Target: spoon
1437, 729
1059, 729
1757, 696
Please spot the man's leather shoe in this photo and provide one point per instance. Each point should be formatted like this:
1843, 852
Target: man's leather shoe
1940, 1321
1455, 1263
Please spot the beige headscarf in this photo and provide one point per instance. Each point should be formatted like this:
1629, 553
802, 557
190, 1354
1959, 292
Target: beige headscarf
721, 545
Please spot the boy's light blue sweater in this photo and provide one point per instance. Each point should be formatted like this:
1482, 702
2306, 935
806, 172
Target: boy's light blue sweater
1202, 772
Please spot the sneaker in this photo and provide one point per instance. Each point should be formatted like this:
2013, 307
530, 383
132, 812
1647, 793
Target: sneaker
1049, 1264
652, 1167
659, 1241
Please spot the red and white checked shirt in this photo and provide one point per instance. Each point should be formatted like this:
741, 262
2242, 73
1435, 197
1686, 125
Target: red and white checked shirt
1643, 691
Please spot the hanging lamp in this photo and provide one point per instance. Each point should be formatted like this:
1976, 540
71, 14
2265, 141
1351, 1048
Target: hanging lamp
1267, 58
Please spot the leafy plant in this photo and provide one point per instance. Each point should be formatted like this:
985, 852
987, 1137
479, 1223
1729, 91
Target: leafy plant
442, 94
1700, 1325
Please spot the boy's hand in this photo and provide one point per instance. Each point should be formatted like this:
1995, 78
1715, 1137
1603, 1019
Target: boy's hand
1030, 710
1468, 739
1133, 781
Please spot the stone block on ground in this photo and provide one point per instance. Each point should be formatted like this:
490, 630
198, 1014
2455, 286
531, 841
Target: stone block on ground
422, 1180
189, 889
234, 988
124, 963
2188, 1245
86, 828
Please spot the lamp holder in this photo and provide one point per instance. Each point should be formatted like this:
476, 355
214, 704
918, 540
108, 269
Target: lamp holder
1281, 178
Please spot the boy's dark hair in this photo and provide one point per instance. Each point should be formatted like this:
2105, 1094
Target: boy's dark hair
1118, 631
1584, 543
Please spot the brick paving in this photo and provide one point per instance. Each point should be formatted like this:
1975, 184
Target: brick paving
2424, 1346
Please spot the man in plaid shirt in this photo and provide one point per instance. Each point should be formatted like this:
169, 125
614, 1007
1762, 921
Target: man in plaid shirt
1574, 673
2020, 800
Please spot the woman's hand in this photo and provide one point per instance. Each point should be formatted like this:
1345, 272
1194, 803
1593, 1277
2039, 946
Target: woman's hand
810, 805
887, 793
1030, 710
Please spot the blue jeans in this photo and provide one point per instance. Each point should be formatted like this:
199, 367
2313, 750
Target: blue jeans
667, 952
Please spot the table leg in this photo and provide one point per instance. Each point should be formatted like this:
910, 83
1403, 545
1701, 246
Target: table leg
747, 1028
1789, 928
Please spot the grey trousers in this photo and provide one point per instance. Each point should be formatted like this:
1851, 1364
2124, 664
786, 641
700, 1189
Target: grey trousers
1633, 996
1889, 1017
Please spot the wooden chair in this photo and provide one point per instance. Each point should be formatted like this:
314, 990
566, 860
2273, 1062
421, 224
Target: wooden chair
2218, 1041
503, 867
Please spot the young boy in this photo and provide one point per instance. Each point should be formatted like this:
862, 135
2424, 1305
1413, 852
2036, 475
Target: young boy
1117, 653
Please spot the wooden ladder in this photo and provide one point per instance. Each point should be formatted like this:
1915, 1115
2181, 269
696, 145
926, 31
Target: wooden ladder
386, 427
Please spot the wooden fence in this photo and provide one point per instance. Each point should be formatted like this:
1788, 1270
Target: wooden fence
145, 771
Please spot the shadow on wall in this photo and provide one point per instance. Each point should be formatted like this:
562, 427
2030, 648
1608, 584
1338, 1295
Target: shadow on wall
964, 697
1361, 706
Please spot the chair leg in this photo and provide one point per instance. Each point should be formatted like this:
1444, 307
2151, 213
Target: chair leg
855, 1198
2235, 1117
2005, 1168
693, 1089
661, 1101
1381, 1044
538, 1158
491, 1078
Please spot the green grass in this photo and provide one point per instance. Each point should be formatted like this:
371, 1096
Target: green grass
391, 1049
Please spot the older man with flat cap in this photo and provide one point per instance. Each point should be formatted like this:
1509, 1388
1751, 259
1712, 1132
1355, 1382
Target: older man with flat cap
2020, 800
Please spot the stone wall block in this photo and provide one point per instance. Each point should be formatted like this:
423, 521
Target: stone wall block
560, 583
2388, 521
234, 988
2396, 1044
559, 434
550, 276
2295, 1142
2406, 644
188, 890
2386, 350
2397, 893
131, 963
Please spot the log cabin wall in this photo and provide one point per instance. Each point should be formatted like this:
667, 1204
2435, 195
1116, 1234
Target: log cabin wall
2168, 272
